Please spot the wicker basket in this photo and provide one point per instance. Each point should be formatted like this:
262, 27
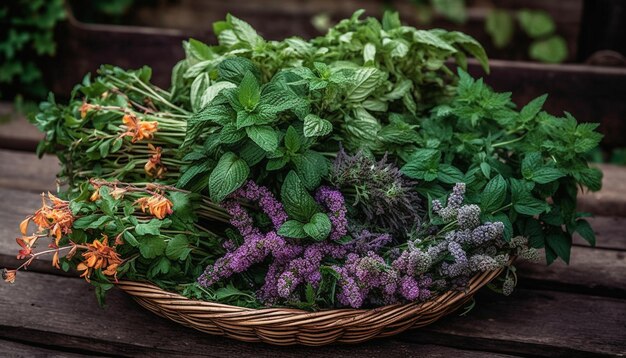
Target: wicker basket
285, 326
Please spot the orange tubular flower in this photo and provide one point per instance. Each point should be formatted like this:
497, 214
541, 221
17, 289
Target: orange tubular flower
9, 275
26, 250
154, 167
58, 218
99, 255
158, 205
137, 129
86, 107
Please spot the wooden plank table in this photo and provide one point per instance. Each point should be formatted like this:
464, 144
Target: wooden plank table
578, 310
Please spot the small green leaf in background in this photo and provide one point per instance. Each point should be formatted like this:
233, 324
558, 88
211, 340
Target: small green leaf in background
550, 50
453, 10
536, 23
229, 174
500, 26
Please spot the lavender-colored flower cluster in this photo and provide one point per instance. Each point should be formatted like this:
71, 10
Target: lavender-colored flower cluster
256, 245
378, 191
334, 202
367, 271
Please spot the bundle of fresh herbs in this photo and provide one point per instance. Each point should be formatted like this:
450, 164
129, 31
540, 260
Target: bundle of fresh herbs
353, 170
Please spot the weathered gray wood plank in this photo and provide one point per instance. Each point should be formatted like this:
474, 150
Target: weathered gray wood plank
536, 323
24, 171
593, 271
11, 349
16, 132
58, 311
611, 200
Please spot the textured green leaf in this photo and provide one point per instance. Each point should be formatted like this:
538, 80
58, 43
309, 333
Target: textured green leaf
299, 204
151, 246
363, 83
494, 194
264, 136
318, 227
293, 229
229, 174
178, 248
315, 126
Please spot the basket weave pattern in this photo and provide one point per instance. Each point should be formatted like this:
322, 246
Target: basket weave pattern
286, 326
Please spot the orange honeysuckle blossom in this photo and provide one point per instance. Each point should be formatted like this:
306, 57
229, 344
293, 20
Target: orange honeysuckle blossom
58, 218
9, 275
26, 250
158, 205
99, 255
118, 193
85, 108
154, 167
137, 129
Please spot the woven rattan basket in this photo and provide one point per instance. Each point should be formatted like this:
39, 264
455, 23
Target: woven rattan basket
285, 326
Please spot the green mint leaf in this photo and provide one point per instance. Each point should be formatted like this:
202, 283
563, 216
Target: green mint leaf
369, 53
229, 174
449, 174
546, 175
494, 194
292, 140
293, 229
244, 31
276, 163
586, 231
423, 163
315, 126
485, 168
198, 87
319, 227
249, 93
231, 134
532, 108
311, 166
364, 81
299, 204
532, 161
213, 90
561, 244
178, 248
264, 136
151, 246
252, 153
233, 69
